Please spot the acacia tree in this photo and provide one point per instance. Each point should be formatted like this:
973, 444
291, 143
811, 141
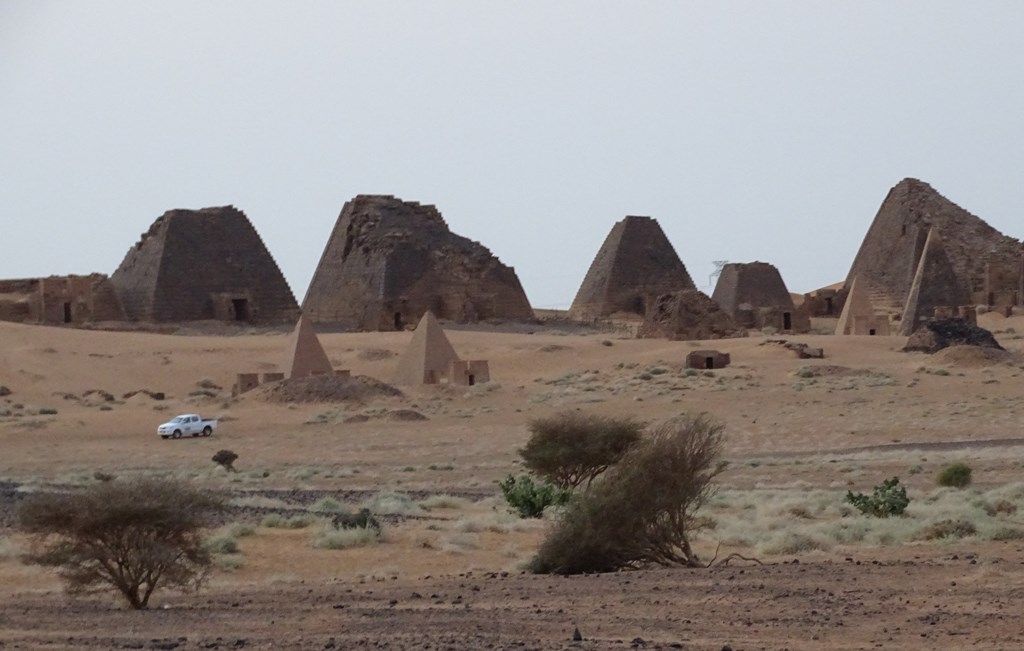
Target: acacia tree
644, 509
132, 536
572, 448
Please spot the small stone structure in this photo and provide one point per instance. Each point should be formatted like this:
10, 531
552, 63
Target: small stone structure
266, 378
755, 296
707, 359
389, 261
469, 372
59, 300
688, 315
635, 265
306, 355
245, 382
203, 264
859, 316
430, 359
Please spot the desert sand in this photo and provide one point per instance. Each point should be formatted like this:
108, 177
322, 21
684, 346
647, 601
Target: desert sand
448, 573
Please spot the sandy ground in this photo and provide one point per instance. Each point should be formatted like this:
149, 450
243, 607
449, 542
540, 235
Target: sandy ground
794, 426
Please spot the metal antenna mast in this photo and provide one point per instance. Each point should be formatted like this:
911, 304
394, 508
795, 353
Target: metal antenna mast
718, 269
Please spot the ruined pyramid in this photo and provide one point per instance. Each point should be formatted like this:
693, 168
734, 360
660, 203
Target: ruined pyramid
389, 261
754, 294
635, 264
203, 264
306, 355
888, 258
428, 357
935, 285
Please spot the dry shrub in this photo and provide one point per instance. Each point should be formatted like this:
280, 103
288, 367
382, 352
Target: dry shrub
572, 448
132, 536
643, 511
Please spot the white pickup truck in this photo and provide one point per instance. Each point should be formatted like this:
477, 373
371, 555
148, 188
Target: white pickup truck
186, 425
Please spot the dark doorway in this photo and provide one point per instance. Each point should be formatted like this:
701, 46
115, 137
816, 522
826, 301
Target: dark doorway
472, 379
871, 332
828, 305
638, 305
709, 362
399, 323
991, 298
67, 313
787, 321
241, 308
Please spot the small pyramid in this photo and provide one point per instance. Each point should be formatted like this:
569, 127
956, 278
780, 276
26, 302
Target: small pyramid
305, 354
428, 356
858, 315
635, 264
935, 285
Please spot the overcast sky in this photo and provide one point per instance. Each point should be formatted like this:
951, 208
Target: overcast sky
751, 130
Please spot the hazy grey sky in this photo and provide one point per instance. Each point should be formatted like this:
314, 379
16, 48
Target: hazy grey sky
751, 130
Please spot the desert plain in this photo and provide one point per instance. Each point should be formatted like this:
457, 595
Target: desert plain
449, 573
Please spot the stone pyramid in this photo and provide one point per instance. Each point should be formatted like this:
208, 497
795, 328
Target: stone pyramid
429, 355
203, 264
635, 264
888, 257
935, 285
858, 316
389, 261
305, 354
757, 284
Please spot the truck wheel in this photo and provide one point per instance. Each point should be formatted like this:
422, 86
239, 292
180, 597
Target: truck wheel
207, 430
177, 434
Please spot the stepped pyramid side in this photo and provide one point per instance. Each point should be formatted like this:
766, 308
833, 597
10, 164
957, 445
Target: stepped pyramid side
935, 285
428, 356
635, 264
203, 264
388, 262
306, 356
888, 257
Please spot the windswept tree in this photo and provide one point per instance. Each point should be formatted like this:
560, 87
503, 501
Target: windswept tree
571, 448
643, 511
132, 536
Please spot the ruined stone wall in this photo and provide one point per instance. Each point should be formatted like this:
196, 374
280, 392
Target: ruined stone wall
58, 300
688, 315
1002, 284
389, 261
203, 264
634, 266
887, 259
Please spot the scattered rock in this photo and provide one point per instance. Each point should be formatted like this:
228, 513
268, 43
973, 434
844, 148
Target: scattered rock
803, 351
375, 354
325, 388
576, 635
943, 333
404, 415
4, 391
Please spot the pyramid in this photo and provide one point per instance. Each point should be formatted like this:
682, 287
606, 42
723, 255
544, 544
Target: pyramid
935, 285
389, 261
757, 284
203, 264
305, 354
858, 316
888, 257
635, 264
429, 355
687, 315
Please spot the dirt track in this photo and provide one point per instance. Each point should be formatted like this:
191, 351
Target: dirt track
921, 598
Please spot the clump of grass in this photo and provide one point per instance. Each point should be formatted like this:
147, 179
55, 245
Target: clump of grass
327, 505
229, 562
392, 503
947, 529
443, 502
956, 475
276, 521
330, 538
259, 502
221, 543
47, 411
792, 542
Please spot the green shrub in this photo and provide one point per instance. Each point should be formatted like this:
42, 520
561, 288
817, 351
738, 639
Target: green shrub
887, 499
643, 511
221, 543
571, 448
47, 411
529, 499
132, 536
955, 475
